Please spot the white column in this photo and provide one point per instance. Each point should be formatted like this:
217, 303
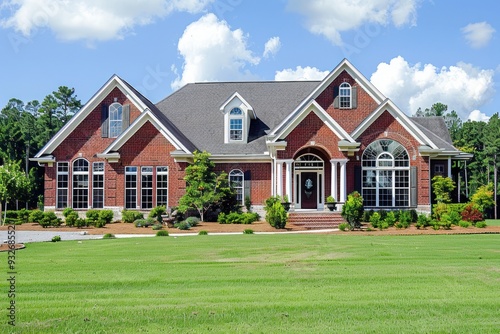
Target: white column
273, 182
449, 167
343, 180
333, 179
279, 177
289, 179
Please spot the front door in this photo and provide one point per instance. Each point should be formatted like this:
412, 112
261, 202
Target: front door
309, 190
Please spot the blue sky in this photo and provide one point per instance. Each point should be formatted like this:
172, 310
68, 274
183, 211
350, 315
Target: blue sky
417, 52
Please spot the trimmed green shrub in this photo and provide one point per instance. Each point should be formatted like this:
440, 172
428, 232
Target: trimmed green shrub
36, 216
56, 238
435, 225
162, 233
106, 215
344, 226
130, 216
203, 232
471, 213
81, 222
439, 209
92, 216
481, 224
183, 225
193, 221
405, 219
464, 224
108, 236
50, 219
157, 212
352, 210
383, 225
422, 221
71, 218
248, 231
276, 215
390, 219
157, 227
23, 215
375, 219
144, 222
238, 218
67, 211
367, 214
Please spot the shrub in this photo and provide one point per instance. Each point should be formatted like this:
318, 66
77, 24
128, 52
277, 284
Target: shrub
483, 198
106, 215
405, 219
23, 215
108, 236
464, 224
193, 221
36, 216
56, 238
92, 216
367, 215
352, 210
50, 219
162, 233
270, 202
248, 231
330, 199
438, 210
390, 219
238, 218
413, 215
67, 211
71, 218
184, 225
203, 232
422, 221
383, 225
157, 227
436, 226
130, 216
157, 212
481, 224
81, 222
248, 203
454, 217
375, 219
276, 215
144, 222
344, 226
99, 223
471, 213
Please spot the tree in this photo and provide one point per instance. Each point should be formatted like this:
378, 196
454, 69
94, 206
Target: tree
13, 183
353, 209
204, 188
67, 103
442, 187
483, 197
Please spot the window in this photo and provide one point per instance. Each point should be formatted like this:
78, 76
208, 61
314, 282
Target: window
345, 96
80, 184
146, 187
162, 186
236, 178
62, 184
130, 187
115, 120
386, 175
98, 185
236, 124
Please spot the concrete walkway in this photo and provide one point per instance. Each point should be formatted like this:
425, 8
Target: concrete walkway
44, 236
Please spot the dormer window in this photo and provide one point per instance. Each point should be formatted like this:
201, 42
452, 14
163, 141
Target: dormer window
236, 124
115, 119
345, 96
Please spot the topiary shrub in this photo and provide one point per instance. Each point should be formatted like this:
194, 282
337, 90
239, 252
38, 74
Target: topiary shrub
352, 210
464, 224
248, 231
67, 211
71, 218
50, 219
56, 238
92, 216
130, 216
81, 222
108, 236
23, 216
162, 233
203, 232
106, 215
276, 215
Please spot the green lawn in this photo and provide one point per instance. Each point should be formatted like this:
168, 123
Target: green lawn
259, 284
493, 222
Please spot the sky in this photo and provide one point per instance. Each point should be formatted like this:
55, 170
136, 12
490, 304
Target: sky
416, 52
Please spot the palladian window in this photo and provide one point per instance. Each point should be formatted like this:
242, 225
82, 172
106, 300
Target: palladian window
386, 175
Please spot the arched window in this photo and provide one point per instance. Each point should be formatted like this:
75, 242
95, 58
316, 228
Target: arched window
236, 181
386, 174
236, 124
115, 120
345, 95
80, 184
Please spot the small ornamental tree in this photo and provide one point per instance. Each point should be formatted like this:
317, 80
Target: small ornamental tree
13, 184
352, 210
442, 187
204, 188
483, 198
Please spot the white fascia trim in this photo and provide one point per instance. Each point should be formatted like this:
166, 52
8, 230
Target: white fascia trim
246, 158
313, 106
146, 116
238, 96
349, 68
80, 115
398, 116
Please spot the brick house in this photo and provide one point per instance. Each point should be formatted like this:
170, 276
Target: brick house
303, 139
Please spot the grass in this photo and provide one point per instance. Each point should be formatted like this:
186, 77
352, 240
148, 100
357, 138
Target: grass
263, 284
493, 222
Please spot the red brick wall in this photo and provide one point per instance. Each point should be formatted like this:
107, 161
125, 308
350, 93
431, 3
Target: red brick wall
348, 119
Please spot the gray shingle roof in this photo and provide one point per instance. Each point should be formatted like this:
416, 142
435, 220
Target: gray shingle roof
435, 129
195, 111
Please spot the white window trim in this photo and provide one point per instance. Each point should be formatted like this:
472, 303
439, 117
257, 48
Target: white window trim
245, 123
158, 173
127, 172
74, 173
111, 112
346, 86
94, 172
238, 172
67, 182
146, 172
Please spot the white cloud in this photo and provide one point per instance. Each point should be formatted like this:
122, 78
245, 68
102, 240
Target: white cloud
462, 87
478, 35
272, 46
300, 73
478, 116
213, 52
331, 18
91, 20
